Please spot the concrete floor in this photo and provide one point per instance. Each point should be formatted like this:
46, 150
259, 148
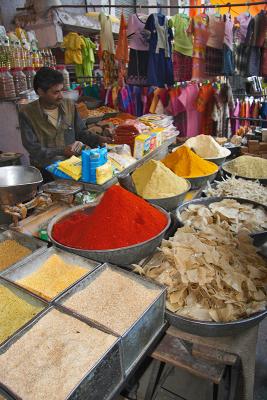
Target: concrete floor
181, 386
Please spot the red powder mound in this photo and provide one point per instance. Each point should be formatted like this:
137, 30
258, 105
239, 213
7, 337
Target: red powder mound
121, 219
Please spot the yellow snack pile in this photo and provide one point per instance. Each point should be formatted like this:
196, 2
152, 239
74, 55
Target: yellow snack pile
14, 312
155, 181
11, 252
248, 167
52, 277
184, 162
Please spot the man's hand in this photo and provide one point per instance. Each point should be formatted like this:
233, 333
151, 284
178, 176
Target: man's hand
104, 139
73, 149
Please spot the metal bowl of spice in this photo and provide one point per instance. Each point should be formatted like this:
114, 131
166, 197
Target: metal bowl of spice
170, 203
120, 256
229, 171
218, 161
200, 181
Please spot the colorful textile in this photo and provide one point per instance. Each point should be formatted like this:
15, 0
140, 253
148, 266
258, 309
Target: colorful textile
73, 44
182, 67
205, 104
137, 68
106, 36
253, 61
138, 37
241, 59
88, 57
109, 68
188, 99
243, 21
160, 69
122, 46
216, 32
228, 31
183, 42
199, 29
228, 61
214, 61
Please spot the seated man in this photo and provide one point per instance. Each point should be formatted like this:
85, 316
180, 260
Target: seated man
51, 128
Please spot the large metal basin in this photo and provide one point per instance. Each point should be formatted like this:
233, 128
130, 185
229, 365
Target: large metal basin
122, 256
170, 203
18, 184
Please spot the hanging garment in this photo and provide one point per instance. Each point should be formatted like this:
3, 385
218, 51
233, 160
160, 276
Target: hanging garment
160, 69
228, 58
235, 123
199, 30
109, 69
214, 61
216, 32
188, 99
214, 52
73, 44
122, 51
256, 32
182, 67
88, 56
183, 42
243, 20
205, 104
139, 46
106, 36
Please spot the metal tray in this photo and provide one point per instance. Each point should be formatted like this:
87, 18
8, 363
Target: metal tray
138, 336
34, 262
100, 382
25, 295
35, 245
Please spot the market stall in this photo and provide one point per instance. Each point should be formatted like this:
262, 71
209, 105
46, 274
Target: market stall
152, 242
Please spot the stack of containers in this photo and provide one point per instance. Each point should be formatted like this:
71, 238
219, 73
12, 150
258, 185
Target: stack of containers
91, 160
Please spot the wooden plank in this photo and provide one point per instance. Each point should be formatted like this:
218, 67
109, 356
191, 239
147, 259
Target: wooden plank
211, 354
170, 350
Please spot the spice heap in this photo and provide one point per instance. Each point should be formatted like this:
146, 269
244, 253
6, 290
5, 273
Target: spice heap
250, 190
248, 167
113, 299
15, 311
155, 181
211, 274
238, 216
187, 164
121, 219
11, 252
52, 277
206, 146
50, 359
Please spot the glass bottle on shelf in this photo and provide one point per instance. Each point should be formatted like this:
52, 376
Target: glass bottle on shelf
20, 81
7, 88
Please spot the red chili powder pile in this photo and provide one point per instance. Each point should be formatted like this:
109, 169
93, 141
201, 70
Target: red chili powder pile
121, 219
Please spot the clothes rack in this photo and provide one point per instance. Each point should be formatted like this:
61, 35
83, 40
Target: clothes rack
205, 6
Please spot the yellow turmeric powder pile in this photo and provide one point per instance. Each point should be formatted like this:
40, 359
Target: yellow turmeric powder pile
15, 311
185, 163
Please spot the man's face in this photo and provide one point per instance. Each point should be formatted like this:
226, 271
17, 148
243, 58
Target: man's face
52, 96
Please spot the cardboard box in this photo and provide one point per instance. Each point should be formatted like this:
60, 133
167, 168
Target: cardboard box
141, 146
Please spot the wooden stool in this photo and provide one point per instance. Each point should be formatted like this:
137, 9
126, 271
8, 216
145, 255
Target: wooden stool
216, 367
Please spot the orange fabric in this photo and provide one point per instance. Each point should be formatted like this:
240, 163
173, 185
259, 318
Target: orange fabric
205, 104
122, 47
194, 11
235, 11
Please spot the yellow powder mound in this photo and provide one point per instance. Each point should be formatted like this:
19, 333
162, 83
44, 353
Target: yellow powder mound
248, 166
52, 277
184, 162
11, 252
155, 181
14, 312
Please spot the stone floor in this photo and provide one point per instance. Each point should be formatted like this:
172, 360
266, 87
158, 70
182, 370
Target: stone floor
181, 386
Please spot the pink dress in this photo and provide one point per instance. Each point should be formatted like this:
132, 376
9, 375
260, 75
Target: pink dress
188, 98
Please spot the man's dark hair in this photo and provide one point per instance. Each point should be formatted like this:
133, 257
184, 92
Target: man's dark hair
46, 78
